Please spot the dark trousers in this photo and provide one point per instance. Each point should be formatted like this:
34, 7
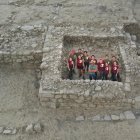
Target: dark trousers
114, 77
86, 65
92, 76
106, 76
101, 75
71, 73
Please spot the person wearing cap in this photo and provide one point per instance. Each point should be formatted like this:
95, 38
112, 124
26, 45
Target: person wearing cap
92, 70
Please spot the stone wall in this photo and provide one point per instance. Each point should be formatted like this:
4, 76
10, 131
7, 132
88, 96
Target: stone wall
58, 93
27, 56
83, 93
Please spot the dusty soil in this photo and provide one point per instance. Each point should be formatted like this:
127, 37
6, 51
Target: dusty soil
19, 104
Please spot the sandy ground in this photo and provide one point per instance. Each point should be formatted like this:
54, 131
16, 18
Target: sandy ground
19, 104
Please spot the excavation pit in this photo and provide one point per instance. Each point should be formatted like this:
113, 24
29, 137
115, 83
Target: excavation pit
56, 90
99, 47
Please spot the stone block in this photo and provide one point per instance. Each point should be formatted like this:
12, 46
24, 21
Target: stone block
98, 88
137, 99
14, 131
37, 128
127, 87
53, 105
47, 95
96, 118
87, 93
29, 129
73, 96
107, 118
129, 115
80, 118
7, 132
122, 116
58, 96
1, 130
115, 117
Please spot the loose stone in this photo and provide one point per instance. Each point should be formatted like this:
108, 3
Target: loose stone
96, 118
129, 115
37, 128
115, 117
29, 129
98, 88
7, 131
107, 118
80, 118
1, 130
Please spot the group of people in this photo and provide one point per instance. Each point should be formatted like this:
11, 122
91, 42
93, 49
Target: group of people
103, 68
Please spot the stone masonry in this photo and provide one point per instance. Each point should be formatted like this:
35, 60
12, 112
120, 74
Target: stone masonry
57, 92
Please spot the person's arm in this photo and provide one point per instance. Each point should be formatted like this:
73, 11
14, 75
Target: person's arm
68, 65
109, 69
118, 69
73, 64
83, 63
89, 69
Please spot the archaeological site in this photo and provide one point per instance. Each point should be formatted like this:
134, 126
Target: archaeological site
44, 94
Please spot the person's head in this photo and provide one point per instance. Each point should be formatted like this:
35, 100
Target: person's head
85, 53
92, 57
72, 52
113, 58
106, 64
115, 63
101, 60
79, 50
79, 56
70, 59
92, 62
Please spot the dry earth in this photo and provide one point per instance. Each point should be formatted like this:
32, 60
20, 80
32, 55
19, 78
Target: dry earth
19, 105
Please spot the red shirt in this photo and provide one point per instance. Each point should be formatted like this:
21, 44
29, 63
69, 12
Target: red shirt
106, 69
79, 62
70, 64
115, 69
101, 66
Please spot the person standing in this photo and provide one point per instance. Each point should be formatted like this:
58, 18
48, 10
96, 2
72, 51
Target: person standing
114, 71
93, 70
86, 60
80, 66
70, 65
107, 71
101, 69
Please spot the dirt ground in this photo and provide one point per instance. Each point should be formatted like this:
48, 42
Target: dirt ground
19, 104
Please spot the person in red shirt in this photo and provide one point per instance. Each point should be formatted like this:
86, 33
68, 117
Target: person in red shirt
107, 70
70, 65
80, 66
114, 71
101, 69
